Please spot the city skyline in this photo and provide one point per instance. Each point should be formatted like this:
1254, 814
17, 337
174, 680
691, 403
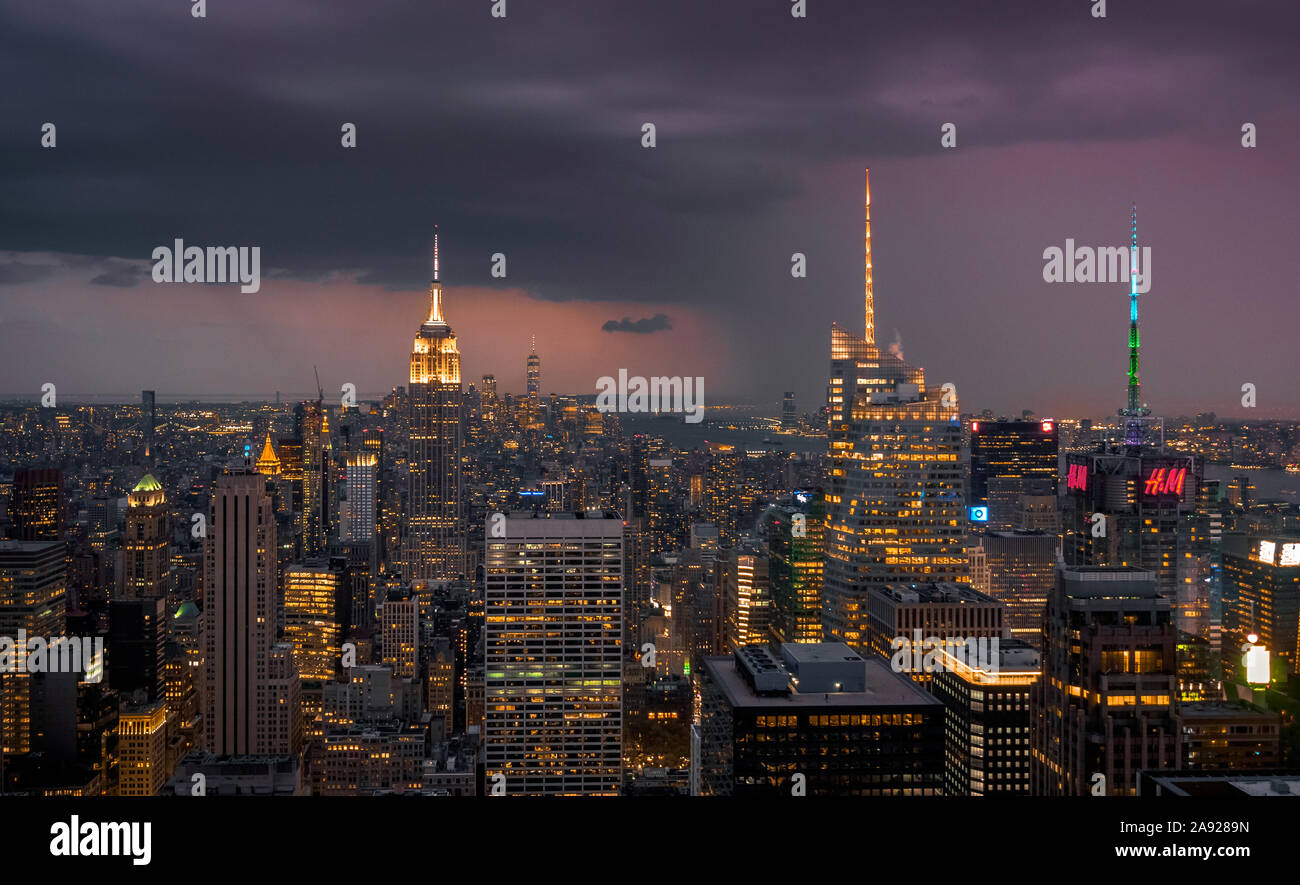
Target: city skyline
699, 230
534, 403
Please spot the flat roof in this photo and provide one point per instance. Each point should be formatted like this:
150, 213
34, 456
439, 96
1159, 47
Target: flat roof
885, 688
942, 592
820, 652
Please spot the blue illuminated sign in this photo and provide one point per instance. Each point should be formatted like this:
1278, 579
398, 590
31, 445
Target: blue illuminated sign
979, 514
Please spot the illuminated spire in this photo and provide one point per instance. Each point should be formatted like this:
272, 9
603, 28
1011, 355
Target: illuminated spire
268, 462
435, 289
870, 303
1135, 411
435, 253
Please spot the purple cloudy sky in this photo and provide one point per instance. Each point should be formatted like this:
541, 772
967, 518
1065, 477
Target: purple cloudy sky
522, 136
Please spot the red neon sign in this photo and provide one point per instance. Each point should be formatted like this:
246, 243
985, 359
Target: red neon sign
1077, 477
1164, 481
1047, 427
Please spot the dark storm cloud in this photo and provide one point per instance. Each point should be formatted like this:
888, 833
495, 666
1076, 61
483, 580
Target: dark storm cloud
523, 136
120, 274
12, 272
644, 326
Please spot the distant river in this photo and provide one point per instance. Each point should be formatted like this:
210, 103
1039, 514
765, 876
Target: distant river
748, 433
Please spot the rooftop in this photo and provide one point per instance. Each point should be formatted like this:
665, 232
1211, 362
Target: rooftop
885, 688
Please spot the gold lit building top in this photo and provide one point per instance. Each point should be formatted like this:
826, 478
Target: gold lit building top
435, 357
268, 462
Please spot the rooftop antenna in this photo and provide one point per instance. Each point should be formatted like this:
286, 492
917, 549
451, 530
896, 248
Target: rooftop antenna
1135, 412
869, 308
435, 288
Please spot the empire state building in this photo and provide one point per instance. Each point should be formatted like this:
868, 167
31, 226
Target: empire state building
433, 547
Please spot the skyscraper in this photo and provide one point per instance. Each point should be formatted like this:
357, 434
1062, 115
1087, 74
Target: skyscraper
434, 546
788, 417
146, 550
1132, 502
1009, 460
534, 378
797, 554
819, 718
1263, 584
722, 491
36, 513
362, 479
1021, 572
148, 421
894, 506
1105, 703
988, 720
239, 613
748, 592
313, 517
33, 598
315, 601
553, 588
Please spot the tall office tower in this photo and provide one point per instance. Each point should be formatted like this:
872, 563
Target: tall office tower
137, 642
282, 718
1262, 584
1008, 460
789, 420
1241, 491
33, 598
1130, 503
142, 750
917, 612
987, 734
978, 563
795, 537
399, 622
362, 486
434, 546
1039, 513
1022, 572
638, 579
313, 518
1106, 702
895, 510
748, 592
146, 550
662, 510
36, 512
553, 590
489, 403
534, 379
148, 422
239, 589
440, 682
722, 491
1200, 605
315, 614
850, 727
